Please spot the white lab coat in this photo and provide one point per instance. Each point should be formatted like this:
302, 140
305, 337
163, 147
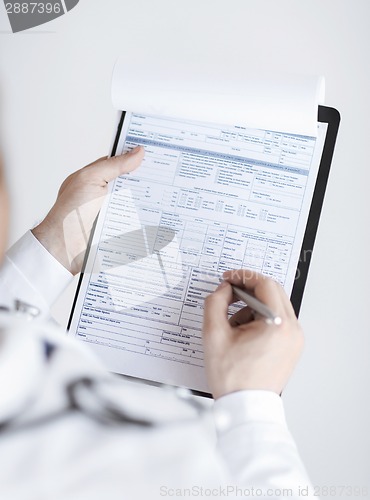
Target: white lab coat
50, 453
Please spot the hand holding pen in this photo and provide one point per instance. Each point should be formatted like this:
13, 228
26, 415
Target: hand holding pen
247, 352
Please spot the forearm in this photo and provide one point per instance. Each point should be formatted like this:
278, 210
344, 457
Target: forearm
31, 274
256, 446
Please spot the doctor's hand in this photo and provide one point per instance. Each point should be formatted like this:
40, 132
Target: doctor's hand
243, 352
66, 229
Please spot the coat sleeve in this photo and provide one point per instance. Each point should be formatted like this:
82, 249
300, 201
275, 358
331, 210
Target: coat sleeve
257, 447
31, 274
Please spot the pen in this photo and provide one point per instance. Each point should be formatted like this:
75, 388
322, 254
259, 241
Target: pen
257, 306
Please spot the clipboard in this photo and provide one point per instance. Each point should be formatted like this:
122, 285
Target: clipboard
326, 115
330, 116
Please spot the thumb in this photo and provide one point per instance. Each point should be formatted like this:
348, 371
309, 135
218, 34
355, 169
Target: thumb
110, 168
216, 326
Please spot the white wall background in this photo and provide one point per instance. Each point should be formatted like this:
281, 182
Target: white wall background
57, 116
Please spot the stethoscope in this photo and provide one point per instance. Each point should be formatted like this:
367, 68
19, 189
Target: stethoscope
84, 394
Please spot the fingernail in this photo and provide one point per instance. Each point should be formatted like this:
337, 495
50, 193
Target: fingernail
135, 150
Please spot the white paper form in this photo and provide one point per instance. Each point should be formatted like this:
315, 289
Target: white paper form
207, 198
284, 102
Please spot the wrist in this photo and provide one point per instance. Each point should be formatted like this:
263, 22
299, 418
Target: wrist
248, 406
51, 237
